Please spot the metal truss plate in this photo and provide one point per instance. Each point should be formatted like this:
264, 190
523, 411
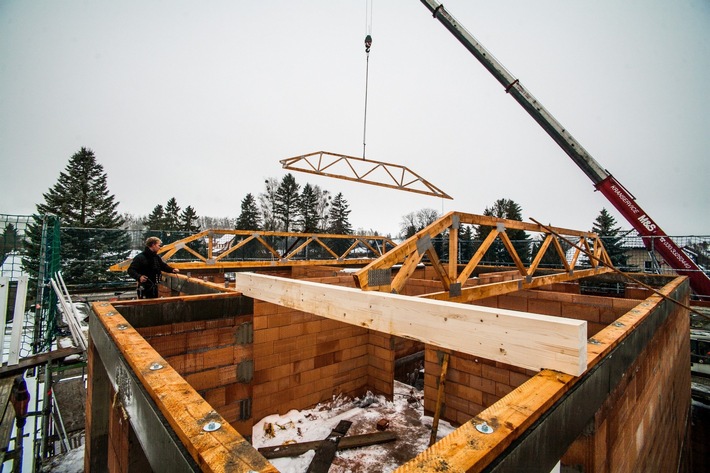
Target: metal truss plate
379, 277
455, 289
423, 244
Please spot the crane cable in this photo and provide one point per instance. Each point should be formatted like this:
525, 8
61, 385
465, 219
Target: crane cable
368, 43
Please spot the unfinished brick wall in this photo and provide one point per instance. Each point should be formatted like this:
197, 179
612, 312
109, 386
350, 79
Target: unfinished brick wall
631, 431
302, 359
472, 383
596, 310
216, 358
475, 383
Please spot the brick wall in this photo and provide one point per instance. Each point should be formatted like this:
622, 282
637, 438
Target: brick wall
211, 356
302, 359
638, 427
474, 383
596, 310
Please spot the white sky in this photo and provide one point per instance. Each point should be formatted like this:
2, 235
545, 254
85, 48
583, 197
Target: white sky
200, 100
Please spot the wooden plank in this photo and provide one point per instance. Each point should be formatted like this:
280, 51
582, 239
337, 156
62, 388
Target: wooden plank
439, 399
18, 321
353, 441
521, 339
327, 448
7, 413
40, 359
4, 296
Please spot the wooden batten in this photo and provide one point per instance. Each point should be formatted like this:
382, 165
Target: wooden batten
521, 339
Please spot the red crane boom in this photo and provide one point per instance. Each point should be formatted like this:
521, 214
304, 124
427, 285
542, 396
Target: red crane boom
603, 181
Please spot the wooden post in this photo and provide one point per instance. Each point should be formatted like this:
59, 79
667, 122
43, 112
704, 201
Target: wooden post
439, 399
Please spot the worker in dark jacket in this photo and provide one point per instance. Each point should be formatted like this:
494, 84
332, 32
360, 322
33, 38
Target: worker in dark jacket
147, 267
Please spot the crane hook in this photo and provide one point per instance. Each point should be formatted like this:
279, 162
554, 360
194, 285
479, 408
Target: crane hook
368, 43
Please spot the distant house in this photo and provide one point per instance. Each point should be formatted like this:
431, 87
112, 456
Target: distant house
642, 259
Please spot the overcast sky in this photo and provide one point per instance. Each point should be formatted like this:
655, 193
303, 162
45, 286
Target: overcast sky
199, 100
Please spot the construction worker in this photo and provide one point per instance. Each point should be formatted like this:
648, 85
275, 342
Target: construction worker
147, 267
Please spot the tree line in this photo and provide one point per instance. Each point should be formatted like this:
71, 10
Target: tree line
95, 235
471, 237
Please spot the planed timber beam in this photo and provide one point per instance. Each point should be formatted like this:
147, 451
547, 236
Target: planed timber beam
521, 339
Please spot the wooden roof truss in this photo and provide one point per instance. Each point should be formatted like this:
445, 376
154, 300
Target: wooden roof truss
216, 251
454, 273
350, 168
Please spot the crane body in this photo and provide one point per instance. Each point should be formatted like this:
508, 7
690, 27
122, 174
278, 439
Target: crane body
603, 181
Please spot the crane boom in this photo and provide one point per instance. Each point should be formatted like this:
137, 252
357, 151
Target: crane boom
603, 181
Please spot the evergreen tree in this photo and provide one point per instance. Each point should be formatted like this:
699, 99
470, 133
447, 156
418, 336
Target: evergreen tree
466, 247
338, 222
249, 218
287, 202
156, 219
189, 220
497, 253
604, 226
9, 241
92, 238
172, 215
308, 220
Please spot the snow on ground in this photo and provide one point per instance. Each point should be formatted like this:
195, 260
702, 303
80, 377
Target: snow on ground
406, 418
404, 413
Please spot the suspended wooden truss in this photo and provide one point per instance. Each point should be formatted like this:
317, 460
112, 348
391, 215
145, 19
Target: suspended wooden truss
234, 249
454, 273
350, 168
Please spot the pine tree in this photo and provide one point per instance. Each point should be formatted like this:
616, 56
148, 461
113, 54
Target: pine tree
156, 219
249, 218
172, 215
604, 226
287, 202
338, 223
188, 220
497, 253
9, 241
91, 237
308, 220
466, 243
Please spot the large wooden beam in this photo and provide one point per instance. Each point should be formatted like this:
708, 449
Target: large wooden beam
522, 339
